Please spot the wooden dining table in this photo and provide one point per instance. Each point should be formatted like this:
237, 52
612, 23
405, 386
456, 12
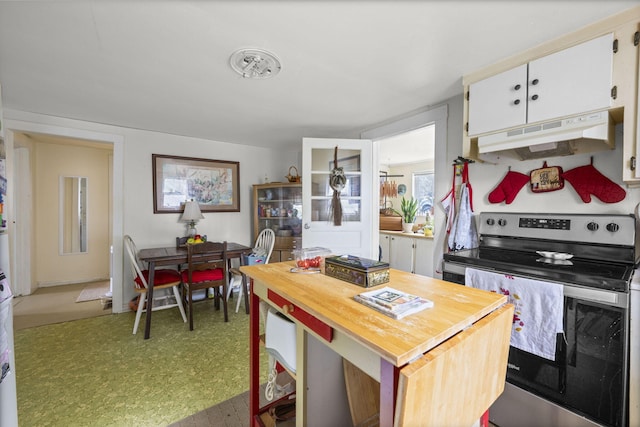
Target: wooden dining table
155, 257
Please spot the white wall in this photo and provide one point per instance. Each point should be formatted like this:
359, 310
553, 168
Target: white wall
51, 162
134, 197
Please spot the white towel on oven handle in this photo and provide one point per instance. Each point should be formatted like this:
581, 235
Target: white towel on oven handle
538, 309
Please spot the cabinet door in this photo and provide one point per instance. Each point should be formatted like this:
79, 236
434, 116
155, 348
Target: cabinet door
423, 261
498, 102
385, 240
572, 81
401, 253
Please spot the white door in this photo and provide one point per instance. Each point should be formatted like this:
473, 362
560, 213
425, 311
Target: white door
354, 235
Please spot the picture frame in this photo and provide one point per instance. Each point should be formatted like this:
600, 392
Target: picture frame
214, 184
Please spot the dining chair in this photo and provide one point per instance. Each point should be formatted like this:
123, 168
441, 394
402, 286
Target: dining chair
238, 283
164, 278
207, 267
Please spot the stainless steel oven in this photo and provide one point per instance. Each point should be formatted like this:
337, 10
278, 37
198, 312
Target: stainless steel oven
587, 383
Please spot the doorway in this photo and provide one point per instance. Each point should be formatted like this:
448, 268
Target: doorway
22, 229
69, 201
436, 117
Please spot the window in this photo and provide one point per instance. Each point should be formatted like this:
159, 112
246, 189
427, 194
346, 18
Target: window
423, 191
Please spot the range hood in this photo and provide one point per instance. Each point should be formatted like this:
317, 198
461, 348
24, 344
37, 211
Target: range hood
574, 135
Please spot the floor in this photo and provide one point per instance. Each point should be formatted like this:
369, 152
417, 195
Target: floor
54, 305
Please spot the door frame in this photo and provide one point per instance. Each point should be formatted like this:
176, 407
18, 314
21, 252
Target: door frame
117, 182
437, 116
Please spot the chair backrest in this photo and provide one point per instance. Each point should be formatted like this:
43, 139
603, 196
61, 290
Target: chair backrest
181, 242
132, 251
266, 240
208, 255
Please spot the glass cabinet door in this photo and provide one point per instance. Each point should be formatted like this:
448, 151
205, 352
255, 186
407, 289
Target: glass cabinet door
279, 207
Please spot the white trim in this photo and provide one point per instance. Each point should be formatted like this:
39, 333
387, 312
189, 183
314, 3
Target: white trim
437, 116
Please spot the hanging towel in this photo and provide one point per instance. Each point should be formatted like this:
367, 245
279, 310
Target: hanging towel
463, 235
538, 309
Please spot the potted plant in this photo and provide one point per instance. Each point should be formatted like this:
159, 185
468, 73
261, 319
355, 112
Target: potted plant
409, 210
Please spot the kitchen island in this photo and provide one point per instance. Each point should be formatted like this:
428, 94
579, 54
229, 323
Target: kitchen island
443, 365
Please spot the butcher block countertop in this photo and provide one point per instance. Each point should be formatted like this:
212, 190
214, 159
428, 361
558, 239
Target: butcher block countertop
331, 301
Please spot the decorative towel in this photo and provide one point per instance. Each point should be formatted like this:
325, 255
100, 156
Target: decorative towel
538, 309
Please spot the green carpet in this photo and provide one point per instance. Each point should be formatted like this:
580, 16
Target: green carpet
94, 372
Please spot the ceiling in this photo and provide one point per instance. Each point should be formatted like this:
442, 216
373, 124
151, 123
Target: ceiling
347, 66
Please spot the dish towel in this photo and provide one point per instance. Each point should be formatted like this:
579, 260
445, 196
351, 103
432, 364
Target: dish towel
538, 309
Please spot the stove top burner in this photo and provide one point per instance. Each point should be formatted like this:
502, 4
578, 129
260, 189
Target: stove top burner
579, 271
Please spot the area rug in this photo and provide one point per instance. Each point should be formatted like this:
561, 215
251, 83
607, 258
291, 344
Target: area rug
93, 291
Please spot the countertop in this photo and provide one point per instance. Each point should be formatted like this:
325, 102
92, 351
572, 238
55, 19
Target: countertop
398, 341
403, 234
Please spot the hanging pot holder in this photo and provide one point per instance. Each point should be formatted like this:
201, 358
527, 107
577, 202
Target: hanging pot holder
545, 179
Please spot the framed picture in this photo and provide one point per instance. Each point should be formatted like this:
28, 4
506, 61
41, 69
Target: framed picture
214, 184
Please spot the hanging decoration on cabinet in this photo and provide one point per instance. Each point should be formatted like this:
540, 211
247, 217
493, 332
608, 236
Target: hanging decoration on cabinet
587, 180
509, 187
547, 178
337, 181
463, 232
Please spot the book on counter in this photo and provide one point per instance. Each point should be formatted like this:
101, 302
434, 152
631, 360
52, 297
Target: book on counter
392, 302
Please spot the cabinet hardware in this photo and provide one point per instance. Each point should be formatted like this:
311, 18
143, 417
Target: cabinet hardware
467, 95
534, 97
636, 38
517, 101
288, 308
614, 92
467, 127
632, 163
615, 46
517, 87
534, 82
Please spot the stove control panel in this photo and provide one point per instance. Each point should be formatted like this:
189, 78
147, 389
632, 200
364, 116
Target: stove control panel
596, 228
547, 223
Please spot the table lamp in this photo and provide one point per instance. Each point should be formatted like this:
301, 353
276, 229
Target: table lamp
191, 215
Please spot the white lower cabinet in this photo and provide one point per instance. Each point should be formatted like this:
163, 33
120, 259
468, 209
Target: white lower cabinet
407, 253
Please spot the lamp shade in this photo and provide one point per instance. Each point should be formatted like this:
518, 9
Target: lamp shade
191, 212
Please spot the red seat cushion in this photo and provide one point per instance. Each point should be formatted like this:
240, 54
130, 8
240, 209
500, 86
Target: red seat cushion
204, 275
161, 277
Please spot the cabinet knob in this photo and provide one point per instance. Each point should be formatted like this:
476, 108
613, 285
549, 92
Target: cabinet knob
517, 87
534, 82
534, 97
288, 308
516, 102
306, 226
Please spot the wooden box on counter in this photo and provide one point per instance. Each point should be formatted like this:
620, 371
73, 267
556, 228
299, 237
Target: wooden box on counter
390, 223
359, 271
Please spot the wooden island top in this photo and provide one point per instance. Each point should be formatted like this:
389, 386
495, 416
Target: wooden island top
398, 341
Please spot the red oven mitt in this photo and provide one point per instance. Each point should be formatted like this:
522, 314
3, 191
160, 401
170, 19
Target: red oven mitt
508, 189
587, 180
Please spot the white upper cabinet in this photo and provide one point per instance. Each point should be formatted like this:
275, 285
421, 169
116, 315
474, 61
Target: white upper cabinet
499, 101
572, 81
569, 82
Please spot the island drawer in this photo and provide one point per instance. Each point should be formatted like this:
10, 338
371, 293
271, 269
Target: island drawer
313, 323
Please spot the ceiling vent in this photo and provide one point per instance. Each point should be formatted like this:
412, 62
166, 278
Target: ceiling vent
255, 63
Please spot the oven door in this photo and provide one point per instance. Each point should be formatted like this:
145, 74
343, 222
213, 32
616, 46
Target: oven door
589, 374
